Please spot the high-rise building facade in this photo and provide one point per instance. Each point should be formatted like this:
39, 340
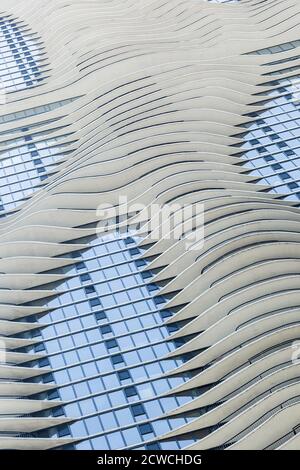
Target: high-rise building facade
134, 337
